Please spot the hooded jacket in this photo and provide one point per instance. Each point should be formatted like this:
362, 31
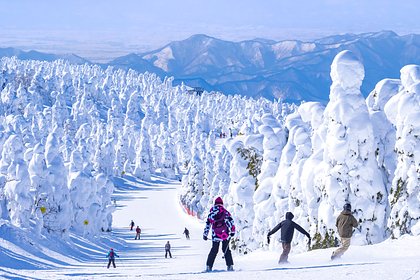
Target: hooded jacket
214, 211
288, 228
345, 223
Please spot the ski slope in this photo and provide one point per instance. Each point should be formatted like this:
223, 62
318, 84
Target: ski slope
155, 208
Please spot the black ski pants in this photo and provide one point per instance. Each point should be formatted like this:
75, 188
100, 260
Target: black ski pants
215, 249
168, 252
111, 261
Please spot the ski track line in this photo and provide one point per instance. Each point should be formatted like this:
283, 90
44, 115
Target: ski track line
321, 266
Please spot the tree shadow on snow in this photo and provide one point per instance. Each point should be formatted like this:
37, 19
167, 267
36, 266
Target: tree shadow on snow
130, 183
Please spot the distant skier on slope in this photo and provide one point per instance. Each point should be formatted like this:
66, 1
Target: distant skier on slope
168, 250
187, 233
131, 225
223, 229
111, 257
287, 229
138, 231
345, 223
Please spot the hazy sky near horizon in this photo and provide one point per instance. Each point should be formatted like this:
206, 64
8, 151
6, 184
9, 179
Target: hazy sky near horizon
157, 22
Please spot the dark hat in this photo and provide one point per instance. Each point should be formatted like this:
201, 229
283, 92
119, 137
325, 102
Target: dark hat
289, 215
347, 207
218, 201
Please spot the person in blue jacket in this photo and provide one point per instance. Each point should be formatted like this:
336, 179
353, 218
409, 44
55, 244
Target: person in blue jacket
287, 229
111, 257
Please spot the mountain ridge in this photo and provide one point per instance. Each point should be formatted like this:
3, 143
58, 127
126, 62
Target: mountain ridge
291, 70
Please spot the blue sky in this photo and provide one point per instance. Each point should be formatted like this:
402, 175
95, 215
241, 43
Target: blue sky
148, 24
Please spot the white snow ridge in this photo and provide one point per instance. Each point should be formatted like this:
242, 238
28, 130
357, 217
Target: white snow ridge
83, 151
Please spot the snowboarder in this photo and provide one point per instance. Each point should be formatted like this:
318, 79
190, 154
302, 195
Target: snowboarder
287, 229
223, 229
168, 250
138, 231
345, 223
187, 233
111, 257
131, 225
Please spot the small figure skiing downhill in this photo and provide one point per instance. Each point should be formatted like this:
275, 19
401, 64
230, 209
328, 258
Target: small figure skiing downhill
131, 225
111, 257
187, 233
287, 229
223, 229
138, 231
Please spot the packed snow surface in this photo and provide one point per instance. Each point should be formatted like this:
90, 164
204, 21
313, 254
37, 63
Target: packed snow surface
154, 207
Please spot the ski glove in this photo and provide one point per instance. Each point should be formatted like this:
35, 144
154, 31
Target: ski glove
205, 237
232, 234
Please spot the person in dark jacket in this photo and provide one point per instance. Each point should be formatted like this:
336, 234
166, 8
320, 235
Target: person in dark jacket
111, 257
168, 250
187, 233
345, 223
131, 225
287, 229
223, 229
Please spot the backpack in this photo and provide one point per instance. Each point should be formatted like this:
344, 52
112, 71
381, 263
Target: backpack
219, 226
111, 254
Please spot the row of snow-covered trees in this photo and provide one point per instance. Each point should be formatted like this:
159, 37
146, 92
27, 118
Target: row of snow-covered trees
366, 152
66, 130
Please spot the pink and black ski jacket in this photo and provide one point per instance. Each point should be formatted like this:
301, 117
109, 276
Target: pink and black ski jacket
221, 223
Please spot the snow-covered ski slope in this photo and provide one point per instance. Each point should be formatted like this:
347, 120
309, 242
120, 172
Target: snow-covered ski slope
154, 207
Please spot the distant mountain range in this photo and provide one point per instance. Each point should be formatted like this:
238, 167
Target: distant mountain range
35, 55
290, 70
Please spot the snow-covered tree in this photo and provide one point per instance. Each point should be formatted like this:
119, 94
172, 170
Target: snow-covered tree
403, 110
351, 173
245, 168
57, 204
17, 187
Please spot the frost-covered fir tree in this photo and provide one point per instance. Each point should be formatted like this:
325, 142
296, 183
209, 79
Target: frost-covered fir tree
17, 187
58, 212
192, 185
403, 110
105, 188
82, 187
221, 180
245, 167
168, 162
206, 200
384, 131
351, 173
143, 164
273, 143
38, 173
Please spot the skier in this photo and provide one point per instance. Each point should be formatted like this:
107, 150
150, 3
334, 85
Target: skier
111, 257
223, 229
138, 231
345, 223
187, 233
287, 229
131, 225
168, 250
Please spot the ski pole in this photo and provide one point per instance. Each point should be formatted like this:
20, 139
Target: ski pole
227, 247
